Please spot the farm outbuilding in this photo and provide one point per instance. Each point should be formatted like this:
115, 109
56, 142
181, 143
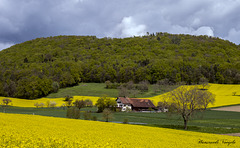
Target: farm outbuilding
134, 104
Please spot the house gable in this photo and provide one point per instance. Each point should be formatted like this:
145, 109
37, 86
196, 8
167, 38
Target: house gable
123, 103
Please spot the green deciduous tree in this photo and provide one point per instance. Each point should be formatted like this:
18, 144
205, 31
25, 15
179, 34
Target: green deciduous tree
106, 102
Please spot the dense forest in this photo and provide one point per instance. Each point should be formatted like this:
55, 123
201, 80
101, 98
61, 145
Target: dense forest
41, 66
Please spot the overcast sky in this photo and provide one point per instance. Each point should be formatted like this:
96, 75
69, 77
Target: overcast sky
22, 20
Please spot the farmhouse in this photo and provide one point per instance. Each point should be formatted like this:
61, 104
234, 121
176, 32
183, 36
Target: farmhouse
125, 103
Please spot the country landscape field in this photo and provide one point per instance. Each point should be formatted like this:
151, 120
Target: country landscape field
223, 92
84, 91
119, 74
37, 131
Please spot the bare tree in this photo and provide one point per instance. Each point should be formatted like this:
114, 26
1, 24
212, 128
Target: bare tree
52, 104
88, 102
5, 103
79, 104
68, 100
134, 92
163, 105
143, 86
186, 100
36, 104
107, 114
207, 98
130, 85
39, 104
234, 93
123, 91
204, 83
73, 113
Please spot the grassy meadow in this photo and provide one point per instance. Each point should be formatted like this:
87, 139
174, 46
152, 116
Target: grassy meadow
98, 90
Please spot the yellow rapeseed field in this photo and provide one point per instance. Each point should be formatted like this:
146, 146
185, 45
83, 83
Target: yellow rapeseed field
223, 92
59, 101
37, 131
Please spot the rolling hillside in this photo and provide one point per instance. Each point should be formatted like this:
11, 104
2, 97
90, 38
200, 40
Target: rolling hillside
36, 68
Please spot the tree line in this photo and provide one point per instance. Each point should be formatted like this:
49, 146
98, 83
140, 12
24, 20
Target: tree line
41, 66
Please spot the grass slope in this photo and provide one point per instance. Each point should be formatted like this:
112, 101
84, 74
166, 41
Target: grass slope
98, 90
85, 89
38, 131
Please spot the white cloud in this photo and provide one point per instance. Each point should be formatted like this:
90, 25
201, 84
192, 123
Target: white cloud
234, 36
128, 28
204, 30
5, 45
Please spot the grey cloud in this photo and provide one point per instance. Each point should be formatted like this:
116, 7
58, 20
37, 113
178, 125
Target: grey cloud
28, 19
5, 45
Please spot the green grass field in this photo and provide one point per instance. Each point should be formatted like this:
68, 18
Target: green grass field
219, 122
98, 89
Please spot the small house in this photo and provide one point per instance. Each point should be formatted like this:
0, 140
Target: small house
125, 103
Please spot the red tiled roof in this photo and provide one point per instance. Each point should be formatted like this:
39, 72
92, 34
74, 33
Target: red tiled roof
146, 103
125, 100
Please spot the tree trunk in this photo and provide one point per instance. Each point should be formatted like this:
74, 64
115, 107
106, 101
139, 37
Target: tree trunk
185, 124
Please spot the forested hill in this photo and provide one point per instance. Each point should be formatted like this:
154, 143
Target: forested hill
38, 67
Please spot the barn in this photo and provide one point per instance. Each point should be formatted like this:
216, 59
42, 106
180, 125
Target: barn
134, 104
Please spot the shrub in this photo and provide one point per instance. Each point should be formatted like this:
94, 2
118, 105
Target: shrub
94, 118
234, 93
73, 113
87, 115
107, 114
52, 104
125, 121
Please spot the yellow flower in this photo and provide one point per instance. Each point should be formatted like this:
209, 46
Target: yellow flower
38, 131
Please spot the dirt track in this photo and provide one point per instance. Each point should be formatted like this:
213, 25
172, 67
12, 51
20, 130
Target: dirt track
233, 134
230, 108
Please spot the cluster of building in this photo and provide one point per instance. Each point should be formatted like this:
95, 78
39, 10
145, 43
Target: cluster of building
133, 104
